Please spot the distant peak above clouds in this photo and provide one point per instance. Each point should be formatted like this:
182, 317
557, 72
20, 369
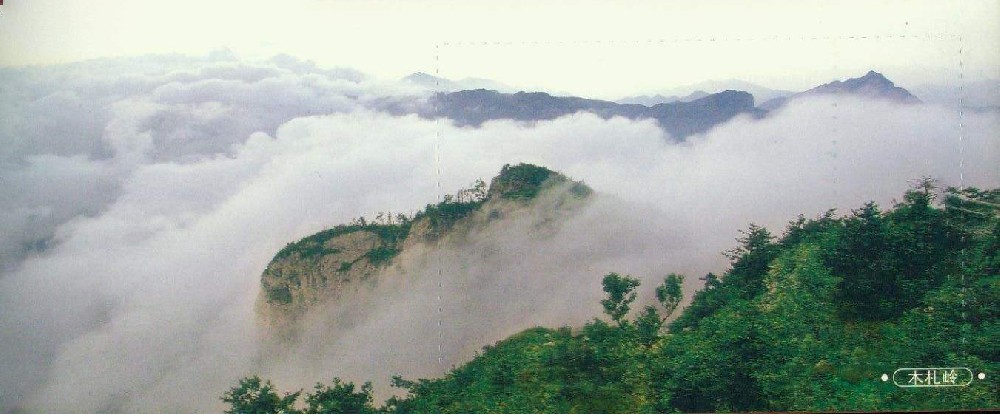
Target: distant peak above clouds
429, 81
700, 90
871, 85
648, 100
476, 106
439, 84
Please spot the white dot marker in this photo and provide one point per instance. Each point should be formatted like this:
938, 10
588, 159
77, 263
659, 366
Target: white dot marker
982, 375
885, 377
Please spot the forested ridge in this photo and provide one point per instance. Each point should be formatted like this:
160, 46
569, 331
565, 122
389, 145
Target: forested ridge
808, 320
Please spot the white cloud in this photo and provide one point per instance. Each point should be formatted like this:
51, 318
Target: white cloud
76, 132
143, 302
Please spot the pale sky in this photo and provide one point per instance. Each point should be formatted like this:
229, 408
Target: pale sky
601, 49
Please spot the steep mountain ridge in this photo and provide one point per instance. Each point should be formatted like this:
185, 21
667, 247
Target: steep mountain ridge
348, 259
680, 119
871, 85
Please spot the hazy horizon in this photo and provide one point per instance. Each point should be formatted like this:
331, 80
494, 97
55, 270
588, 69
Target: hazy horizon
146, 196
603, 51
709, 85
157, 155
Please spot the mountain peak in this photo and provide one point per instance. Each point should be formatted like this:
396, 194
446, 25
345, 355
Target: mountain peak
347, 257
871, 85
872, 77
524, 181
430, 81
420, 76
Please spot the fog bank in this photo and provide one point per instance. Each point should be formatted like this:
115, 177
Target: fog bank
142, 208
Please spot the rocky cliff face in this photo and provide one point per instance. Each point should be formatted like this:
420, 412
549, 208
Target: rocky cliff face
293, 282
348, 259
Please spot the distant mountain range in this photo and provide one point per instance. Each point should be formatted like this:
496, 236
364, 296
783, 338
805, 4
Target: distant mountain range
872, 85
680, 119
439, 84
702, 89
658, 99
679, 116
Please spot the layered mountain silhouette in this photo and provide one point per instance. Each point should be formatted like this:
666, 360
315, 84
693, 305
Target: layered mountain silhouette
650, 100
872, 85
680, 119
702, 89
679, 116
439, 84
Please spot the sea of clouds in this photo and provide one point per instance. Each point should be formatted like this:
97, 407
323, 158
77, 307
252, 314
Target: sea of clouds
143, 197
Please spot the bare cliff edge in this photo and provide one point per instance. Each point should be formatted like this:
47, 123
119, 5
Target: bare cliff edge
347, 259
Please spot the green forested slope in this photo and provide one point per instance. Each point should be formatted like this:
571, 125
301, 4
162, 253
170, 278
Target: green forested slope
806, 321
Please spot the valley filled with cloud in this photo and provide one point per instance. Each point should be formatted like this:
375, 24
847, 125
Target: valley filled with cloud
143, 197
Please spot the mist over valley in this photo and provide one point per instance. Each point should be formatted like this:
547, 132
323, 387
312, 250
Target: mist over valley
148, 202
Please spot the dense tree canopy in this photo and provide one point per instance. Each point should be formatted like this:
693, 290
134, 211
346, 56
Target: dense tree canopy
807, 321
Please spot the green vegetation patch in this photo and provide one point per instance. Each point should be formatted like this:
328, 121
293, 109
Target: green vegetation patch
279, 294
314, 246
443, 215
381, 255
805, 321
520, 181
526, 181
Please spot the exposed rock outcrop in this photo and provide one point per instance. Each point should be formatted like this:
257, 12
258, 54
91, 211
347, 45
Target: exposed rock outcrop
347, 259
